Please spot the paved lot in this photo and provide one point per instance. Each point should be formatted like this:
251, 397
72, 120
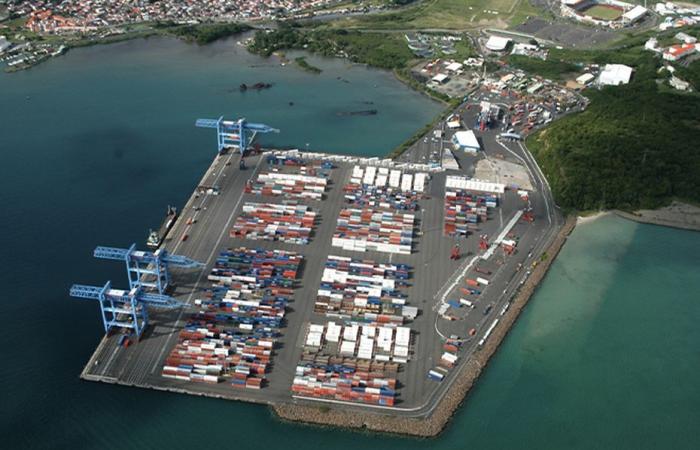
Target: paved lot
140, 364
567, 34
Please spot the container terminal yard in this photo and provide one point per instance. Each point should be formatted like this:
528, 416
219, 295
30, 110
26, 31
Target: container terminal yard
303, 278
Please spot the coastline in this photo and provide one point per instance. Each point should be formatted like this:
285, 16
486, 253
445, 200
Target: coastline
435, 423
676, 215
581, 220
152, 30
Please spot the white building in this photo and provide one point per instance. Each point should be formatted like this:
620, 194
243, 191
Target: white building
685, 38
440, 78
4, 44
474, 62
467, 141
585, 78
634, 14
497, 43
454, 67
615, 75
652, 44
679, 84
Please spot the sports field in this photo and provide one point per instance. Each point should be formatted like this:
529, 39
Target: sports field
604, 12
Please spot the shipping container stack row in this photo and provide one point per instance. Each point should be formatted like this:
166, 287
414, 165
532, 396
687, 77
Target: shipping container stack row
370, 229
365, 382
232, 336
465, 207
285, 160
211, 352
364, 291
384, 189
393, 178
290, 223
268, 270
364, 342
291, 185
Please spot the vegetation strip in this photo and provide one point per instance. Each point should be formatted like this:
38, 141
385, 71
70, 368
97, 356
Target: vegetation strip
304, 64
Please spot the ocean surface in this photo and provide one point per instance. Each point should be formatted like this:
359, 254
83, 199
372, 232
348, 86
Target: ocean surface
94, 144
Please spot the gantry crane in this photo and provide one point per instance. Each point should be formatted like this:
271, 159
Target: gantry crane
123, 309
148, 270
230, 133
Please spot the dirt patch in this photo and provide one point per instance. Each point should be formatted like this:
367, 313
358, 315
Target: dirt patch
500, 171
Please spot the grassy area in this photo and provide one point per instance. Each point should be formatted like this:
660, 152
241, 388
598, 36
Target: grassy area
446, 14
463, 48
603, 12
552, 69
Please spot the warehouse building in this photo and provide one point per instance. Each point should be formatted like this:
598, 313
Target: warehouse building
467, 141
615, 75
497, 43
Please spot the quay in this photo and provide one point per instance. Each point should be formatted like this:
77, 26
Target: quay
435, 286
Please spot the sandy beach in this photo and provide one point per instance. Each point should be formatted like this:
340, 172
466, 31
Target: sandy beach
676, 215
580, 220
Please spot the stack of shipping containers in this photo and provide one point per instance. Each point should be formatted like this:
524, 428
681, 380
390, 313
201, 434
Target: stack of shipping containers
352, 362
232, 337
290, 223
291, 185
363, 291
374, 230
467, 203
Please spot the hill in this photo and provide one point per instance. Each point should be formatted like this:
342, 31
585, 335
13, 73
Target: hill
636, 146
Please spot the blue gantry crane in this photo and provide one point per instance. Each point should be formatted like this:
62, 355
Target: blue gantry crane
148, 270
230, 133
123, 309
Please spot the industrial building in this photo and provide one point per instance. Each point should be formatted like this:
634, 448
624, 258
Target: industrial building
585, 79
497, 43
615, 75
467, 141
440, 78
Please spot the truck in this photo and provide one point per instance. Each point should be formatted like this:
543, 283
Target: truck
483, 271
466, 303
435, 375
483, 281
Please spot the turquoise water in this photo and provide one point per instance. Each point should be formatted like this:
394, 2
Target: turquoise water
94, 144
